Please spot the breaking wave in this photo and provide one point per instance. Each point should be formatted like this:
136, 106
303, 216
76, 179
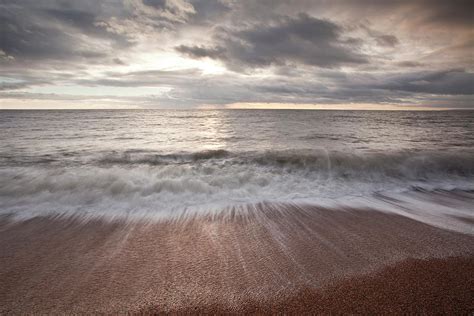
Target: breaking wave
162, 185
400, 165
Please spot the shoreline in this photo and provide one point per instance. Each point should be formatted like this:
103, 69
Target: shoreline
269, 259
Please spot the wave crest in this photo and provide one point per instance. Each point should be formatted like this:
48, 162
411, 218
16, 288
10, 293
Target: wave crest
145, 182
398, 165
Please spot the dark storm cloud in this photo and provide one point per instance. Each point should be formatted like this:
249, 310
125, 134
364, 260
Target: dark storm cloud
452, 82
366, 87
81, 19
22, 38
302, 39
54, 30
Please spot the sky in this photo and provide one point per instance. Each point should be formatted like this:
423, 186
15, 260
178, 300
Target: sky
180, 54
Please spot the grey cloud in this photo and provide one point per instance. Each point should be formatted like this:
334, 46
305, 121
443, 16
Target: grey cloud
22, 39
324, 86
160, 13
149, 78
302, 39
454, 12
191, 88
8, 86
77, 18
201, 51
29, 78
208, 11
87, 21
380, 38
448, 88
452, 82
118, 61
442, 13
161, 4
54, 30
409, 64
387, 40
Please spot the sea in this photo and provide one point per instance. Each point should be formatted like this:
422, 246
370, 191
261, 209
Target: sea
159, 164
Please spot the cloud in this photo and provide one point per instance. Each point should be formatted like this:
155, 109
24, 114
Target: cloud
446, 82
51, 30
161, 13
432, 13
210, 11
193, 52
190, 88
202, 52
387, 40
118, 61
146, 78
409, 64
458, 13
8, 86
159, 4
302, 40
5, 57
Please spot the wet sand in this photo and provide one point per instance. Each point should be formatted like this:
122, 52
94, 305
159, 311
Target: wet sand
265, 259
414, 286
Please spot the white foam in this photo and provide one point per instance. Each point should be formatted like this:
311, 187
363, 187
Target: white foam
171, 190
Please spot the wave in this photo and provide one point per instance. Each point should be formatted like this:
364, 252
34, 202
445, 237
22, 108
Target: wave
141, 182
148, 192
409, 165
136, 157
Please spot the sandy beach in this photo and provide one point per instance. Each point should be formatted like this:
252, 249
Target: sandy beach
266, 259
226, 157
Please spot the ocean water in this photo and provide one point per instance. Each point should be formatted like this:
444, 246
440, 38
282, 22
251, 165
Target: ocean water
160, 163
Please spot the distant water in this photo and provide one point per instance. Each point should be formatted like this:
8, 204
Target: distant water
160, 163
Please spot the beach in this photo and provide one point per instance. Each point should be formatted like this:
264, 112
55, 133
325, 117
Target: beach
226, 157
236, 212
262, 259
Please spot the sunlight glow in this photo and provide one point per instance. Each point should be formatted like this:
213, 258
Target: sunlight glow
172, 61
